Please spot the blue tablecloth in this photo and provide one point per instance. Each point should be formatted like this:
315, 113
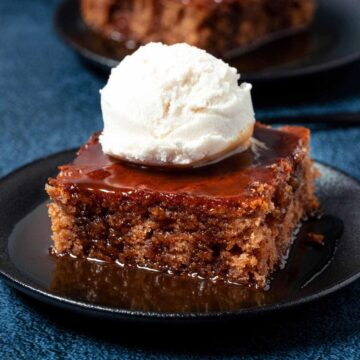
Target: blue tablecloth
49, 101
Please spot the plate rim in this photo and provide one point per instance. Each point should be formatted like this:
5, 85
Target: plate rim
34, 290
107, 63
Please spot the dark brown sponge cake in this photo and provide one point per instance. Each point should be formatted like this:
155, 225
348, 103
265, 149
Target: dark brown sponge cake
232, 220
216, 26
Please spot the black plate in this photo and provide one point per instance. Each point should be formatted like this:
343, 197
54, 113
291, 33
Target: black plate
331, 41
112, 292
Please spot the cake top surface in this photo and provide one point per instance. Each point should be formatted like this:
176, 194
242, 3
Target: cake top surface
236, 176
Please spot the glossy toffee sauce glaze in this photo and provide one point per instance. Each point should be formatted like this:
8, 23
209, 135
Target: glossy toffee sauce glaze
230, 178
143, 290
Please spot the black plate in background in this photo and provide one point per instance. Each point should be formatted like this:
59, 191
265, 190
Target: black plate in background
331, 41
26, 264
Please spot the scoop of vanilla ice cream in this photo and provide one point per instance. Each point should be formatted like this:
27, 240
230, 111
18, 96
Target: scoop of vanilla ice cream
174, 105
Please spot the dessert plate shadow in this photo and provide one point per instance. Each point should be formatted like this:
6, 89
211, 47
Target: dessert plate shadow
331, 41
109, 291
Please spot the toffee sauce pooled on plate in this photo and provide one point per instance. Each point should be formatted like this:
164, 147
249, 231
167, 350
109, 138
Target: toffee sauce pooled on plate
143, 290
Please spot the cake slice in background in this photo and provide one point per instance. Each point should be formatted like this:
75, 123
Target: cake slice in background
216, 26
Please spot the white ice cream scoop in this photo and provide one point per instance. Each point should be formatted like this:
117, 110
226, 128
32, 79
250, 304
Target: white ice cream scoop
175, 106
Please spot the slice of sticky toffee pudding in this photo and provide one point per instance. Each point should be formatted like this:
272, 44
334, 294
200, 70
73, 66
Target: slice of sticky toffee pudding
232, 220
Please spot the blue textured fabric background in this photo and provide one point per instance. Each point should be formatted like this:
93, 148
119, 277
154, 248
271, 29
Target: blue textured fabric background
49, 101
